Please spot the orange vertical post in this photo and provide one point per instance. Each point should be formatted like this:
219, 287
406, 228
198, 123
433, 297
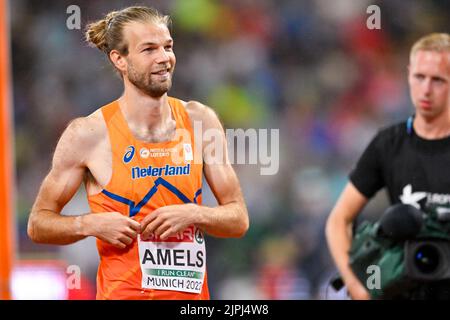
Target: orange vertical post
6, 156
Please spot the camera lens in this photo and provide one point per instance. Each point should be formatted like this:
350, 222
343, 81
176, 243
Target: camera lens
427, 258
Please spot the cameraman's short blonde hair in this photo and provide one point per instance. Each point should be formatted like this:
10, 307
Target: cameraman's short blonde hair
438, 42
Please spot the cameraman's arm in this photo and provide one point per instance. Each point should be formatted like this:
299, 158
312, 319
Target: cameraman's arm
339, 237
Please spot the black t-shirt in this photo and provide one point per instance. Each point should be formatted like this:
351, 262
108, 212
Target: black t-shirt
414, 170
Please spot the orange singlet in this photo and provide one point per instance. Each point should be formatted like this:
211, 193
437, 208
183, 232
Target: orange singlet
146, 176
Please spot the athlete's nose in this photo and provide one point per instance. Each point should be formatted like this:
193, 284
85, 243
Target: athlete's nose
163, 57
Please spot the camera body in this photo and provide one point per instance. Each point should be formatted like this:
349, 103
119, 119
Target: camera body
409, 247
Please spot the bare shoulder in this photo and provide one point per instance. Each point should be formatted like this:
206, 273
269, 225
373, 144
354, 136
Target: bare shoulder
199, 112
86, 130
81, 136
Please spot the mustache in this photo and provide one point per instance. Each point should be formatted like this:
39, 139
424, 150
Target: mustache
163, 68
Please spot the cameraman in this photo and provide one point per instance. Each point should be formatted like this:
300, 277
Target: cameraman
411, 159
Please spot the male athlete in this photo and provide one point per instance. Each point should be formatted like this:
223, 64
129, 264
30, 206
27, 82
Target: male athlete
411, 159
142, 167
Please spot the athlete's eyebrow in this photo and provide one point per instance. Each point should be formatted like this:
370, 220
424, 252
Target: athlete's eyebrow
149, 43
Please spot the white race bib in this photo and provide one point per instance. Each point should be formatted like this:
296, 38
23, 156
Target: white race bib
176, 264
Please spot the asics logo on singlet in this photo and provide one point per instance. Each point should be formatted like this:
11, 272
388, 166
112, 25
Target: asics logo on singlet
129, 154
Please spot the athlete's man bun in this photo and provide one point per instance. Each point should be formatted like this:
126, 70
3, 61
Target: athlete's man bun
96, 32
107, 34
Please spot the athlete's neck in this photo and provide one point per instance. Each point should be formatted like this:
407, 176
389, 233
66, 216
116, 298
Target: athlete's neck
432, 129
143, 111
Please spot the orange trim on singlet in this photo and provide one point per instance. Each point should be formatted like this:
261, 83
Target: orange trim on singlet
143, 179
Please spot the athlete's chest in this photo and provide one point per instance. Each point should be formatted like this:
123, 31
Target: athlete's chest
137, 162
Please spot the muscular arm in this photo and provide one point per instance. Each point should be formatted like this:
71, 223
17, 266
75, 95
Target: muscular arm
339, 236
230, 217
45, 224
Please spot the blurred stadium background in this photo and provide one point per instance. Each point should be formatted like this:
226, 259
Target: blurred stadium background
310, 68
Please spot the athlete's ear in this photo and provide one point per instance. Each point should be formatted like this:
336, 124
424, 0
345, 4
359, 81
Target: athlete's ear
118, 60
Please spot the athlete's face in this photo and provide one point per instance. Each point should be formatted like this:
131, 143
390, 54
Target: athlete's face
151, 60
429, 82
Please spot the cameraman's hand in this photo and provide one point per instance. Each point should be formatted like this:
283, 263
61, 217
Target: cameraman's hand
357, 291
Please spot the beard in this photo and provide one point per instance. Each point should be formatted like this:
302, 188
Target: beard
148, 82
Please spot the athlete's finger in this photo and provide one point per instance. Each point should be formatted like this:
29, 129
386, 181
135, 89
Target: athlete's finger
162, 228
150, 228
166, 234
126, 240
131, 233
136, 226
118, 244
148, 219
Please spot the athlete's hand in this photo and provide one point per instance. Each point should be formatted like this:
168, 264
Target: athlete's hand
357, 291
111, 227
169, 220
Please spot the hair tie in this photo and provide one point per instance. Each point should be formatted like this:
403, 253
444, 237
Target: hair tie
109, 23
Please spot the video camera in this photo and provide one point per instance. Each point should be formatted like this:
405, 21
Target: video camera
409, 248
